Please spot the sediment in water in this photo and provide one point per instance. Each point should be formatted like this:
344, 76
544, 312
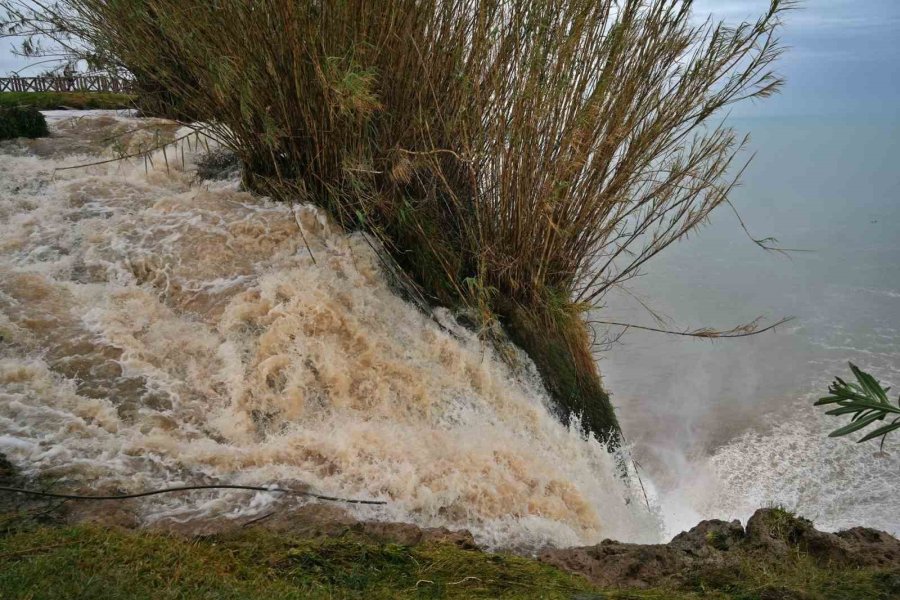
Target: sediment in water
163, 331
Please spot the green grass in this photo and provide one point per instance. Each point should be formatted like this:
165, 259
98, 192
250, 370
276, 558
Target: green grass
78, 100
93, 562
799, 578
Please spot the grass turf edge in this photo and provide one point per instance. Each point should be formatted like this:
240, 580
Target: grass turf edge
89, 561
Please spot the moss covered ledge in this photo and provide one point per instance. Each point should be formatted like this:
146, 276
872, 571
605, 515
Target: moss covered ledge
779, 557
560, 349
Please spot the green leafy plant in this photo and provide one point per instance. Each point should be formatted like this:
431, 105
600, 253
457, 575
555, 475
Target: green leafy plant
866, 400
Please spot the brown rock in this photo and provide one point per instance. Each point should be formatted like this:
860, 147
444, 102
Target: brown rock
871, 548
308, 520
411, 535
708, 537
777, 532
397, 533
714, 545
613, 564
7, 470
111, 513
461, 538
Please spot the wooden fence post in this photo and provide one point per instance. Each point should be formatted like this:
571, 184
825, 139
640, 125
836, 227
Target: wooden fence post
83, 83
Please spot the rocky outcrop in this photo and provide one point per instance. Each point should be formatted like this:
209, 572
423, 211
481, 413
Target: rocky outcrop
771, 535
218, 164
715, 554
7, 470
778, 533
307, 521
871, 547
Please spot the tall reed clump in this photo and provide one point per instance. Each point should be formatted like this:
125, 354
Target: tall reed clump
518, 158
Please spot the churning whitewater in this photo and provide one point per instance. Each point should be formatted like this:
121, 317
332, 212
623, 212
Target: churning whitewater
158, 330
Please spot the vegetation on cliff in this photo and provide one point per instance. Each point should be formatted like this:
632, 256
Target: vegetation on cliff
516, 159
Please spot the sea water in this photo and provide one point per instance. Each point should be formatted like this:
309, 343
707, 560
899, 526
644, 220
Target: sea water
722, 428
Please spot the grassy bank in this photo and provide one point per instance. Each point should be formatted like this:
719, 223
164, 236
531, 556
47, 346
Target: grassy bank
57, 100
53, 563
92, 562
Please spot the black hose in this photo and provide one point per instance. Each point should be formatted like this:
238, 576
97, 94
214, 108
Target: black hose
188, 488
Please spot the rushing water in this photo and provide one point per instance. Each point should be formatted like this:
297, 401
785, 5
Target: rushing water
161, 331
725, 427
158, 330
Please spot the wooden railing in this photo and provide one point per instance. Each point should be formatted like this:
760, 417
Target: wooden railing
76, 83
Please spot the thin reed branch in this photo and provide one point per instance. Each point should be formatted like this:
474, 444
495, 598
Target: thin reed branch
740, 331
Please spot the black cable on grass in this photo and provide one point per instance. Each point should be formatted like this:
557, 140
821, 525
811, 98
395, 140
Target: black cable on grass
189, 488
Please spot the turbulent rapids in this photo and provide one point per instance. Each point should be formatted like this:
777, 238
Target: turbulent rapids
159, 330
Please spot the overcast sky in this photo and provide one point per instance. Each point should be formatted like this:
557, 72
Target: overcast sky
844, 57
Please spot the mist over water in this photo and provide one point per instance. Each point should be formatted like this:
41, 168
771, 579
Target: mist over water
159, 331
722, 428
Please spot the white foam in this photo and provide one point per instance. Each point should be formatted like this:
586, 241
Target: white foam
164, 331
